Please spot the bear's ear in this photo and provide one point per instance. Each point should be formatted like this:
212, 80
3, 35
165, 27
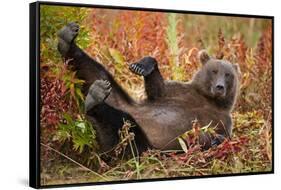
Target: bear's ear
237, 68
203, 57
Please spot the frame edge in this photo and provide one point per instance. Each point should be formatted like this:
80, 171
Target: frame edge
34, 141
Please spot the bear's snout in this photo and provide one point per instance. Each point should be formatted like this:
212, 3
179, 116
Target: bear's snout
219, 90
220, 87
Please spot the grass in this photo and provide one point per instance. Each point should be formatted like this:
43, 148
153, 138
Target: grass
248, 151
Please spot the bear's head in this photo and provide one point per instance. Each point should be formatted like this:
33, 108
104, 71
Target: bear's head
218, 80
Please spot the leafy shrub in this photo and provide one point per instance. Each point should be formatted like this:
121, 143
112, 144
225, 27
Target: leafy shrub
53, 18
79, 131
61, 94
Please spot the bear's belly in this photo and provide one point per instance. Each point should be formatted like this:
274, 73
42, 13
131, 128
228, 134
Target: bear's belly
162, 124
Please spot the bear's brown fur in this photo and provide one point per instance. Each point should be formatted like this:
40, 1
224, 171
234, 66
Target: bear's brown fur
171, 106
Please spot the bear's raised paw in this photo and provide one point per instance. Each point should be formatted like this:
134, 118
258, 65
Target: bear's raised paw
142, 68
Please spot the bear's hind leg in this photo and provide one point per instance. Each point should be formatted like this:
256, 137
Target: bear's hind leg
154, 82
110, 120
87, 68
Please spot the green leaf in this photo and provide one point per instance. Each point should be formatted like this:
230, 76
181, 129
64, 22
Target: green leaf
116, 55
183, 145
79, 93
82, 126
207, 127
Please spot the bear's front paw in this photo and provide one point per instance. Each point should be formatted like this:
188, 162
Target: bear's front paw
143, 67
69, 32
97, 94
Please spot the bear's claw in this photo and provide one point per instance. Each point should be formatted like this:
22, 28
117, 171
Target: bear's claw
140, 69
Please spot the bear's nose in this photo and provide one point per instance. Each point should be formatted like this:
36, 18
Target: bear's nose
220, 87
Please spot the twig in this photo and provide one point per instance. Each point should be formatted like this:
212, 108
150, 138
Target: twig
225, 130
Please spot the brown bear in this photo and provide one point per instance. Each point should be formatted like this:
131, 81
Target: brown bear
170, 107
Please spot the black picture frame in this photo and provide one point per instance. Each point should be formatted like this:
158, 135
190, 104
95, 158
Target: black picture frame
34, 94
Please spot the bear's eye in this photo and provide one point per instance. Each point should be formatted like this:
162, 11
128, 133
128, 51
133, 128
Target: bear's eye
215, 71
227, 74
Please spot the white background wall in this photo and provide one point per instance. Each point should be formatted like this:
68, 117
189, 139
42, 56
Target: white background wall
14, 96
